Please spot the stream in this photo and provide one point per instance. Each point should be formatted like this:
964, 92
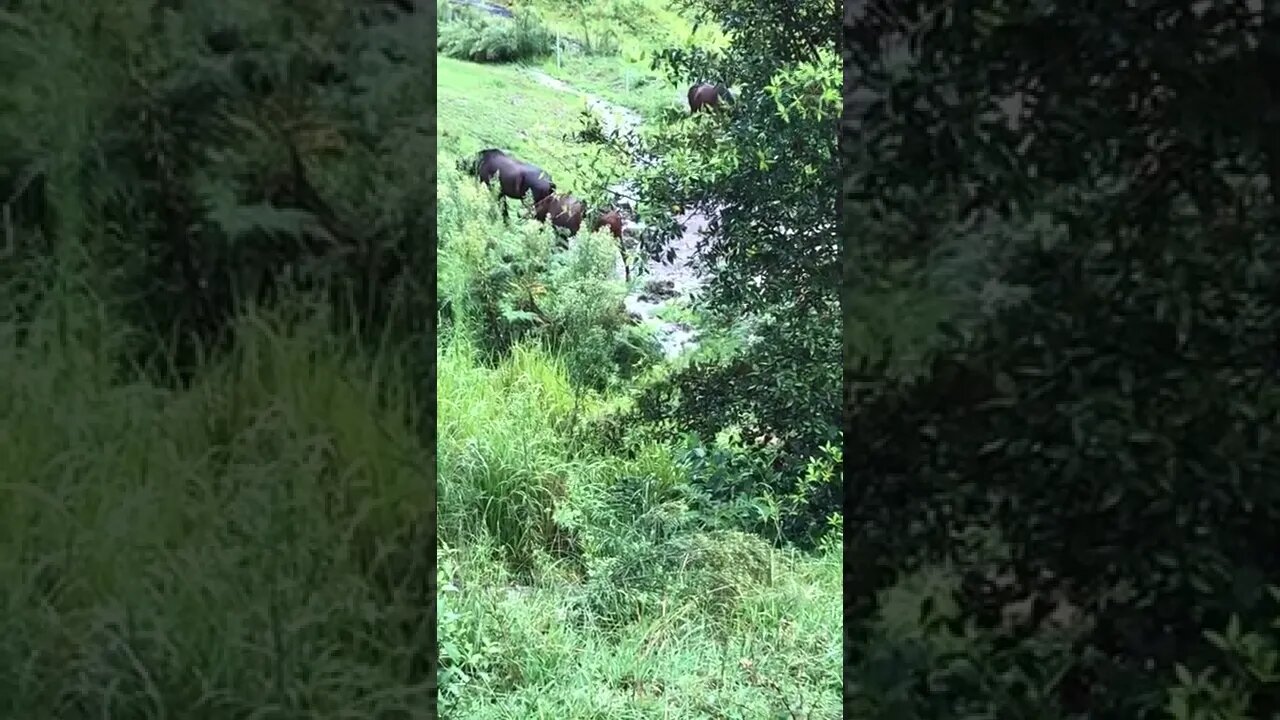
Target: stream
663, 282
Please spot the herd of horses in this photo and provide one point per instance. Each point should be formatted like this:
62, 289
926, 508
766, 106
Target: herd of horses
518, 179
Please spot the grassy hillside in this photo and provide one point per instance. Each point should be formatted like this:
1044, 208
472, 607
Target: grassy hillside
607, 49
481, 106
634, 26
629, 84
633, 32
655, 629
582, 572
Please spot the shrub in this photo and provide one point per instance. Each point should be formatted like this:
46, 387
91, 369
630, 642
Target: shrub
466, 33
202, 176
501, 284
1116, 427
1242, 682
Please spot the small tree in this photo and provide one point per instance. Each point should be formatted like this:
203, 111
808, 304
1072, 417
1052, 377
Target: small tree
771, 248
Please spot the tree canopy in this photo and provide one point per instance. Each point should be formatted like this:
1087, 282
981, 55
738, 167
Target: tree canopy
1107, 172
758, 168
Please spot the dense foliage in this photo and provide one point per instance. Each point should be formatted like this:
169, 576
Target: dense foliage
216, 493
772, 241
223, 150
470, 33
502, 285
1102, 438
570, 534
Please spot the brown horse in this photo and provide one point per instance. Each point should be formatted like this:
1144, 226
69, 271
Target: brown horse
565, 211
516, 178
611, 219
705, 96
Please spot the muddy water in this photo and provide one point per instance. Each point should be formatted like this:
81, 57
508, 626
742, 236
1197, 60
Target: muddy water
661, 283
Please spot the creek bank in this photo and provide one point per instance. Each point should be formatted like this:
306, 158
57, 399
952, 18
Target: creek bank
679, 280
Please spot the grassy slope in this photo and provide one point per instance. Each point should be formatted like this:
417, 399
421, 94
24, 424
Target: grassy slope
628, 79
480, 106
527, 651
632, 85
522, 647
193, 553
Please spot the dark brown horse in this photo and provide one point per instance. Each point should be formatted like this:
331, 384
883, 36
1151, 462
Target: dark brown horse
565, 211
705, 96
516, 178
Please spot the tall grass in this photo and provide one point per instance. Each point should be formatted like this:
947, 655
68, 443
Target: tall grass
502, 448
577, 578
577, 583
466, 33
252, 545
501, 284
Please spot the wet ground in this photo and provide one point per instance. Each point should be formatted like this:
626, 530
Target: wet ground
661, 283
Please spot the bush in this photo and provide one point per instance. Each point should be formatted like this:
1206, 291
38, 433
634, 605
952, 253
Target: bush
1117, 427
503, 284
205, 175
1120, 475
466, 33
1242, 682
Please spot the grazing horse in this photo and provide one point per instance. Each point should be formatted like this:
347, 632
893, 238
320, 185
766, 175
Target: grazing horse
515, 177
705, 96
564, 210
611, 219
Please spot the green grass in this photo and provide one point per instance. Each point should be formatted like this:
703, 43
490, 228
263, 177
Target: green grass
520, 643
626, 77
655, 23
204, 552
556, 600
678, 664
628, 84
482, 106
497, 438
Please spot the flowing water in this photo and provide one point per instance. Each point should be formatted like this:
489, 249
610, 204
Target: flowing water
664, 282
